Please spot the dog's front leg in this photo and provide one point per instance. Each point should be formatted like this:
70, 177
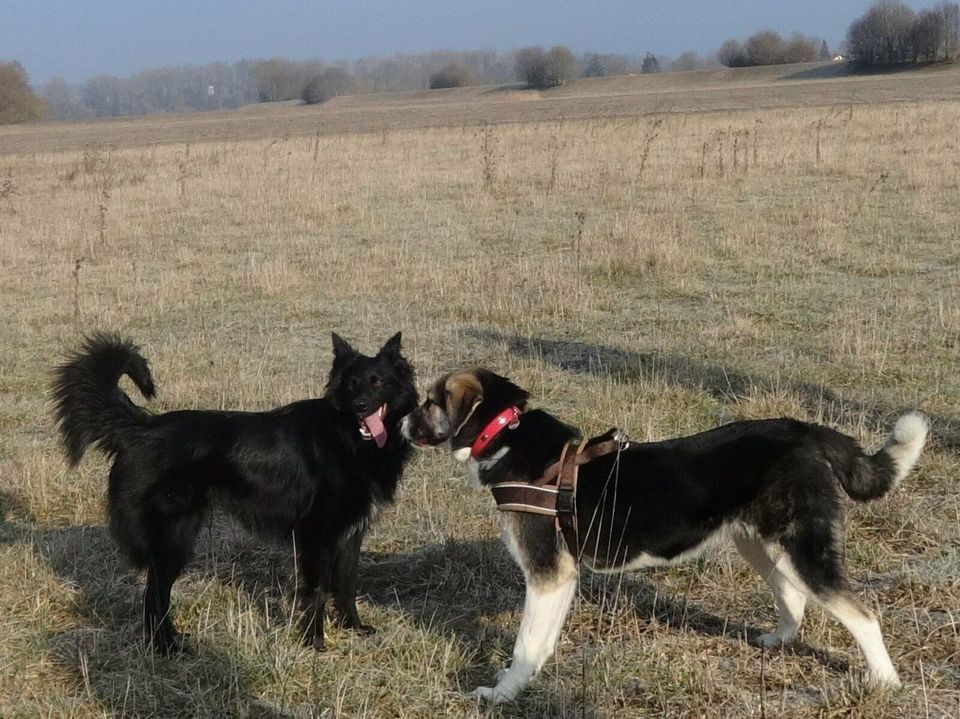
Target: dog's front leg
544, 611
345, 583
315, 569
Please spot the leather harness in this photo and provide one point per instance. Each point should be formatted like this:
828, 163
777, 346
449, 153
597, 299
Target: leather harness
554, 494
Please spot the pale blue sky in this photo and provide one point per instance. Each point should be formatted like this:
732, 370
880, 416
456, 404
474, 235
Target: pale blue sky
80, 38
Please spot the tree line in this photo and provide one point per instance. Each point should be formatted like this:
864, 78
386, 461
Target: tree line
769, 48
221, 86
888, 33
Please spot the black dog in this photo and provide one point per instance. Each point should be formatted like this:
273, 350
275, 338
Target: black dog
313, 472
774, 486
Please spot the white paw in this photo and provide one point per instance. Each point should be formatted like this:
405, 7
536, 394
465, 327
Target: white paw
889, 679
490, 694
483, 693
773, 640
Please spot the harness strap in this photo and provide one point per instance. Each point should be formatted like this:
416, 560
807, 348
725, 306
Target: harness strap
555, 493
523, 497
584, 455
567, 495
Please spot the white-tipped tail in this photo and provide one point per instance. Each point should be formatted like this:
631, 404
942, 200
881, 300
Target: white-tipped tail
906, 443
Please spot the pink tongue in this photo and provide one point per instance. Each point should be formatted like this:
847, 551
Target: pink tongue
375, 426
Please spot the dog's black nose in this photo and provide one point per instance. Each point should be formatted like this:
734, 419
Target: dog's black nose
360, 406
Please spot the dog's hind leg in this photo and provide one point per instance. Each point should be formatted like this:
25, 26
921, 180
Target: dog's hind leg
158, 628
544, 611
788, 593
817, 560
345, 582
157, 523
865, 628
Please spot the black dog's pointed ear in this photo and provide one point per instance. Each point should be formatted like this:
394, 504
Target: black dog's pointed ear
341, 348
391, 348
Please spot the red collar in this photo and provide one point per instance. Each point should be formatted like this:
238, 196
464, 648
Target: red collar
510, 417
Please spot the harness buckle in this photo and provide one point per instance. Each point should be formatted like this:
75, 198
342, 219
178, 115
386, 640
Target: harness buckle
566, 502
622, 440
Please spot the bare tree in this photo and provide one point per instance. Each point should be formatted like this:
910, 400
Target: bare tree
597, 65
280, 79
451, 75
530, 66
883, 35
764, 48
926, 36
63, 103
732, 54
106, 96
687, 61
650, 64
950, 21
333, 81
559, 66
593, 66
800, 48
860, 42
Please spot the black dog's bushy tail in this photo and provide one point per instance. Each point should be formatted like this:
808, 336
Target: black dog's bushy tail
89, 406
872, 476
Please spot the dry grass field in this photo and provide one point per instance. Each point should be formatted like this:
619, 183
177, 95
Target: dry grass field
661, 271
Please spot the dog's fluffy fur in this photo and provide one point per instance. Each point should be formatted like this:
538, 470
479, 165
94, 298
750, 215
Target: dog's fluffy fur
303, 473
776, 486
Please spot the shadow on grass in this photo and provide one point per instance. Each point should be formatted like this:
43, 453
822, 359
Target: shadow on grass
460, 588
851, 69
456, 589
821, 72
722, 382
451, 588
642, 597
101, 654
508, 87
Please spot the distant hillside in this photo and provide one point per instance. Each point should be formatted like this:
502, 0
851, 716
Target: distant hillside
659, 83
724, 89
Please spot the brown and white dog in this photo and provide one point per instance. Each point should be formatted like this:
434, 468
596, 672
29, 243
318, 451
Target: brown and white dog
775, 486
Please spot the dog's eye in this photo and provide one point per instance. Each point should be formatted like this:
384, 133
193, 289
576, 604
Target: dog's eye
376, 381
352, 384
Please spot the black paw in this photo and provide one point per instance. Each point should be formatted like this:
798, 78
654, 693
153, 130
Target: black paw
364, 629
351, 620
357, 626
170, 643
181, 644
315, 642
